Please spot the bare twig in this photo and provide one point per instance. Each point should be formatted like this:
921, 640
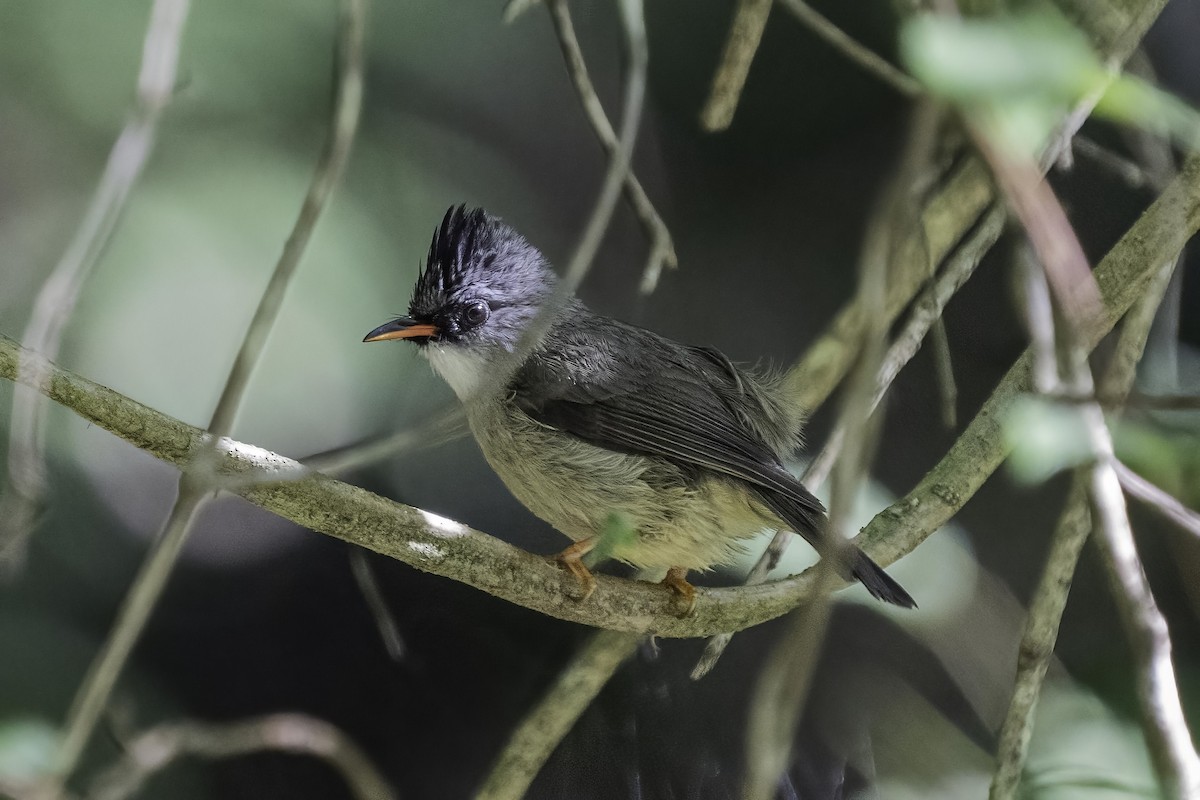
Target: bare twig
155, 749
553, 717
943, 365
26, 482
437, 545
951, 211
749, 21
368, 585
441, 428
1163, 721
781, 693
1125, 169
194, 483
925, 311
1158, 499
1165, 728
1037, 641
854, 50
662, 248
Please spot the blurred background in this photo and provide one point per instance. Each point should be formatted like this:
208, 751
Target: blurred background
767, 219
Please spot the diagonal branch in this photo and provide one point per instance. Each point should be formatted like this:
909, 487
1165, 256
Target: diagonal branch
25, 484
662, 248
154, 750
195, 483
436, 545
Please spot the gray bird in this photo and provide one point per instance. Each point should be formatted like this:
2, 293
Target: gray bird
605, 421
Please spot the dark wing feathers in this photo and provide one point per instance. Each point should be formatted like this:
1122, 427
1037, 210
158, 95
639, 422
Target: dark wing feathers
671, 401
687, 405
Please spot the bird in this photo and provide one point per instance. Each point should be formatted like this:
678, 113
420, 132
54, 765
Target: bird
598, 425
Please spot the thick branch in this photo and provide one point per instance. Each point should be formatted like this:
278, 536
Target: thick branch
437, 545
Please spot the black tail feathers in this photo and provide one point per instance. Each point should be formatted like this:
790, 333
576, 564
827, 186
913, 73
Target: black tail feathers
879, 583
807, 518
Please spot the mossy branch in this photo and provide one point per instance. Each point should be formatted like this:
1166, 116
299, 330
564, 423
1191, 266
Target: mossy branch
446, 548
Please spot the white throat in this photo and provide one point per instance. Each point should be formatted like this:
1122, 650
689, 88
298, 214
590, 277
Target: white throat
460, 367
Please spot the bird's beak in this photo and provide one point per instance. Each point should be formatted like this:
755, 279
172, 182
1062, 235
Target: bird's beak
402, 328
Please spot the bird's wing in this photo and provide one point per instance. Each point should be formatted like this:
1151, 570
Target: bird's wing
671, 402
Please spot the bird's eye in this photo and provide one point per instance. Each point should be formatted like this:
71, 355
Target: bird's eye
475, 313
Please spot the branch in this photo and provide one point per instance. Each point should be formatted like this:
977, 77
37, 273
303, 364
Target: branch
964, 195
852, 49
1071, 533
195, 483
26, 482
749, 22
155, 749
662, 249
925, 312
1163, 722
1158, 499
434, 544
531, 744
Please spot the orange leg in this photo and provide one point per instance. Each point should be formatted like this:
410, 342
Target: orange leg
677, 582
572, 560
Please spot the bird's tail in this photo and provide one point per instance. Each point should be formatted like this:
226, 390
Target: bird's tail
808, 519
879, 583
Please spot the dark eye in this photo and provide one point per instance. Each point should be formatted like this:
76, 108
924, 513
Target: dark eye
475, 313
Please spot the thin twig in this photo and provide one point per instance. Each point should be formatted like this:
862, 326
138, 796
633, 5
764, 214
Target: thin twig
1133, 175
749, 21
926, 310
1037, 641
854, 50
1163, 721
157, 748
385, 621
782, 690
545, 726
1158, 499
961, 199
943, 365
540, 732
437, 545
1074, 525
1164, 725
662, 248
194, 483
441, 428
26, 481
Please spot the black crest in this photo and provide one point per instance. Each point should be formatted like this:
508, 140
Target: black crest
454, 246
471, 248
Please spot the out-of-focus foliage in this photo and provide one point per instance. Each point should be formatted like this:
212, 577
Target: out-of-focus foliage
1045, 437
1019, 74
26, 747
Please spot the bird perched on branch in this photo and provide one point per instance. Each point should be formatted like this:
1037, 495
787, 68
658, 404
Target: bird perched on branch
596, 425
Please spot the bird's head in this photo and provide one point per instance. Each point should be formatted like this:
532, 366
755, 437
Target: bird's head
482, 285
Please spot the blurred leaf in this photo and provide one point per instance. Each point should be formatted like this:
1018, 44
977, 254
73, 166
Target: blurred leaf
1167, 458
1038, 55
26, 748
1016, 75
1045, 438
618, 532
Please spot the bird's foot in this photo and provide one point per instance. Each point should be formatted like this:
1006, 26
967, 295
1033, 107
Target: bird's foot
676, 581
571, 559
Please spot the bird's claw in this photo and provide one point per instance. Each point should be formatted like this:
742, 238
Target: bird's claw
685, 593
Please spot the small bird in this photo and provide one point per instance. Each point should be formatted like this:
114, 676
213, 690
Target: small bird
604, 421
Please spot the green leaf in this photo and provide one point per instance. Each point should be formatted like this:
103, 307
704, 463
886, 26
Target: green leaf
1045, 438
26, 748
617, 533
1001, 59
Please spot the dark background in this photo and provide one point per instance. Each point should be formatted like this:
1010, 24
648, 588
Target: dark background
767, 218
